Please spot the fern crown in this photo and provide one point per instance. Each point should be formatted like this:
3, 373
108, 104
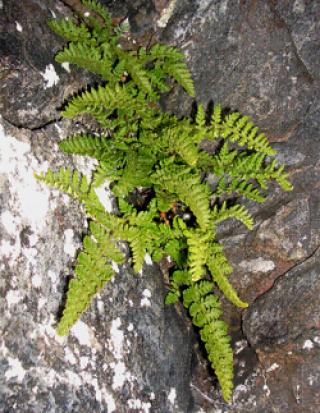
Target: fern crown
144, 151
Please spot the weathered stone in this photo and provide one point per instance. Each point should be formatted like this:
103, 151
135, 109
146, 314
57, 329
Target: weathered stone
261, 58
33, 85
125, 353
290, 309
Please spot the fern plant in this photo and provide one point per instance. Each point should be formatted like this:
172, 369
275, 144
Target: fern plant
145, 148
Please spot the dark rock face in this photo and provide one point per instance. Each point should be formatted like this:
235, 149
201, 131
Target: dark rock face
31, 82
130, 353
262, 58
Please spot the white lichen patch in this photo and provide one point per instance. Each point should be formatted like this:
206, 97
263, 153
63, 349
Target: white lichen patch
137, 404
69, 356
116, 339
10, 222
311, 380
66, 66
130, 327
115, 268
316, 340
104, 196
50, 377
50, 76
257, 265
36, 280
53, 277
83, 333
241, 388
266, 390
145, 301
69, 247
100, 304
240, 345
110, 403
41, 302
273, 367
223, 7
308, 345
13, 297
18, 27
73, 378
30, 256
15, 370
116, 346
172, 396
9, 251
85, 165
147, 259
60, 132
298, 6
121, 375
166, 14
29, 202
84, 362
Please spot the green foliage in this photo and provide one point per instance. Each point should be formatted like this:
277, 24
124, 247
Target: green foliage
144, 149
204, 308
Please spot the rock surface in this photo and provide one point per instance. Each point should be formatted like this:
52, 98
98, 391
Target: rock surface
259, 57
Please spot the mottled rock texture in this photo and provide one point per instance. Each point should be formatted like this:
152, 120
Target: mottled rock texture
258, 57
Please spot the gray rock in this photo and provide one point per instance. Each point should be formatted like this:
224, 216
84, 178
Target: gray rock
261, 58
33, 85
125, 354
289, 310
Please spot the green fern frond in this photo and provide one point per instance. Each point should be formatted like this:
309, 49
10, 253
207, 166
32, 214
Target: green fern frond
98, 8
86, 56
180, 142
67, 181
98, 147
281, 177
200, 117
162, 52
252, 167
166, 183
205, 310
223, 160
136, 172
172, 62
158, 80
219, 268
100, 102
198, 243
217, 344
138, 73
239, 129
240, 188
180, 72
187, 187
196, 291
101, 236
137, 242
76, 185
70, 30
92, 271
238, 212
216, 119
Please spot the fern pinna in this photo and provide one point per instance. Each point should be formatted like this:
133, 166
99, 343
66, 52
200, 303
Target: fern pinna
143, 147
